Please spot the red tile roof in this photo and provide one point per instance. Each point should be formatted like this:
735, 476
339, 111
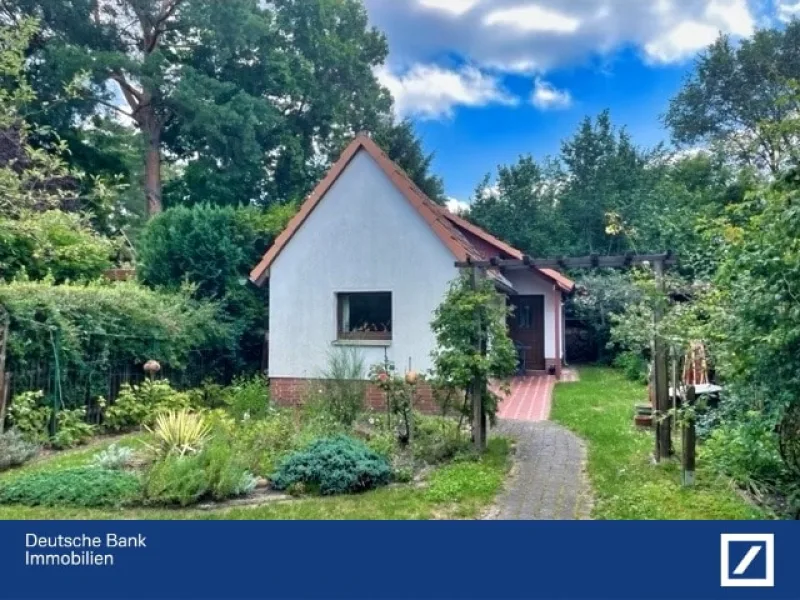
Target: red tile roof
454, 231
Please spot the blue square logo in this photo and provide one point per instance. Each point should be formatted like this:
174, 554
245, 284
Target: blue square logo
747, 560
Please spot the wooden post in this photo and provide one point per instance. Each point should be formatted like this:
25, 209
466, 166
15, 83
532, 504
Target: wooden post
477, 387
663, 447
4, 377
4, 398
688, 441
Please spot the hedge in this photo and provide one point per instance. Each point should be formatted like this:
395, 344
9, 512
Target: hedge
100, 327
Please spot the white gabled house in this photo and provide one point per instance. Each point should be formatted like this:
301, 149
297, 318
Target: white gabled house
365, 263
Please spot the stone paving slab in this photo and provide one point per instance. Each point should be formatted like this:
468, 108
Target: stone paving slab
548, 480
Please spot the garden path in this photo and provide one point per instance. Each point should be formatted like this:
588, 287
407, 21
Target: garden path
548, 480
529, 398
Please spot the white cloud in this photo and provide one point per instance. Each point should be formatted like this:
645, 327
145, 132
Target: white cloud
456, 206
788, 9
430, 91
537, 36
533, 18
681, 41
732, 16
685, 38
546, 96
454, 7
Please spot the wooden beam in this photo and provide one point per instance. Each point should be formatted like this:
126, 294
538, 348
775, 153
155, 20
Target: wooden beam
577, 262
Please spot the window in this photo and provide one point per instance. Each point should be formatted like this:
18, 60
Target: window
364, 316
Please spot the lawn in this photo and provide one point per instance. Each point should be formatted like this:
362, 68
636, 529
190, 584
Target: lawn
627, 485
461, 490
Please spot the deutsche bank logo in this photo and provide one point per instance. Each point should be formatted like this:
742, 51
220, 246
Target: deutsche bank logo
747, 559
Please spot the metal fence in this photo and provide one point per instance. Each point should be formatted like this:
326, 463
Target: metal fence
83, 387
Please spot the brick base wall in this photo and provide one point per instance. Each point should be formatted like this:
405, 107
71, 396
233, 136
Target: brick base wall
293, 392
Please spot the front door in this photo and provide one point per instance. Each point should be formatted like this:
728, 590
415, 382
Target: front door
526, 328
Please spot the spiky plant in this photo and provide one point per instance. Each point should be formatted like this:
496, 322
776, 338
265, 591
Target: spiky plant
179, 432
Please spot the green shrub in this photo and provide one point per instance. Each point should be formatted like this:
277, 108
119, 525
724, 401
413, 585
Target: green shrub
214, 248
209, 394
15, 449
175, 480
226, 471
334, 466
54, 243
746, 451
217, 472
139, 405
79, 486
32, 420
633, 365
264, 443
72, 428
127, 412
437, 439
29, 417
248, 398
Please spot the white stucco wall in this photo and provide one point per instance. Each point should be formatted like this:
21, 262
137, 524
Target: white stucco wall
363, 236
528, 283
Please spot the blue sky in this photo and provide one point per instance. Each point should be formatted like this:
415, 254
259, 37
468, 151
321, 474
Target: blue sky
488, 80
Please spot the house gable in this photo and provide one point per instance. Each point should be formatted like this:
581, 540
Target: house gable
431, 213
362, 236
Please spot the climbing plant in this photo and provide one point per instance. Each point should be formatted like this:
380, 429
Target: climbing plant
472, 343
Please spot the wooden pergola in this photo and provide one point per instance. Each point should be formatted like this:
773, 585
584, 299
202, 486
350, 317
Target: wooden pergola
659, 263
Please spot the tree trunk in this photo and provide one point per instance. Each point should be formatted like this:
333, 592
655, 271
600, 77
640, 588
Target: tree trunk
152, 170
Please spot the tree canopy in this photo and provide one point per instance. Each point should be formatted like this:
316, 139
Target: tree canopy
244, 101
736, 91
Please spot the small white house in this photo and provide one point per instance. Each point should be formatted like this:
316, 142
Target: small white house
365, 263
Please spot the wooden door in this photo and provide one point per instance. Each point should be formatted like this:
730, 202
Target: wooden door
526, 328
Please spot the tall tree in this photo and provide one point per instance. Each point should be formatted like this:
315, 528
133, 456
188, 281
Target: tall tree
126, 47
403, 146
249, 100
736, 91
520, 207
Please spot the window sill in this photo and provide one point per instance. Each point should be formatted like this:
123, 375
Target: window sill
373, 343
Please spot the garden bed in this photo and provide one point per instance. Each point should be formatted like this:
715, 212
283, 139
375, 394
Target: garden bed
250, 460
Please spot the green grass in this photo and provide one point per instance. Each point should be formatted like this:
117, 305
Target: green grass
627, 485
459, 490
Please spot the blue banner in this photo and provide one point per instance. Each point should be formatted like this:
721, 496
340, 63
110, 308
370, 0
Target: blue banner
262, 559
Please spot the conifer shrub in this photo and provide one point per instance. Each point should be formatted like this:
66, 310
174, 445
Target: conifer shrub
337, 465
